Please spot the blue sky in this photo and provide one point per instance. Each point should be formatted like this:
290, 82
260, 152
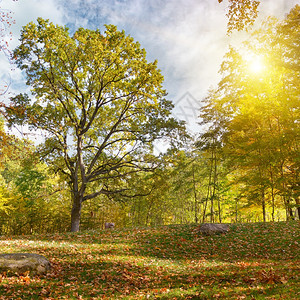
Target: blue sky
187, 37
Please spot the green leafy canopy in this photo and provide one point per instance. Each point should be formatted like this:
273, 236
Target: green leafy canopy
101, 104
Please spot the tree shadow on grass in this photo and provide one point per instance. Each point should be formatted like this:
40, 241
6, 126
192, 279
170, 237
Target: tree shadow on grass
110, 277
162, 263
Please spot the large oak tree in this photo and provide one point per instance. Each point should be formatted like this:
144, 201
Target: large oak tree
97, 100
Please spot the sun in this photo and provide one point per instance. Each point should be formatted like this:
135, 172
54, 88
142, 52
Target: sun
255, 64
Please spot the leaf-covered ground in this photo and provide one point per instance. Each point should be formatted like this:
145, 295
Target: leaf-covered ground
253, 261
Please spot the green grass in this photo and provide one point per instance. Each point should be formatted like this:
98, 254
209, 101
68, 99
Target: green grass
253, 261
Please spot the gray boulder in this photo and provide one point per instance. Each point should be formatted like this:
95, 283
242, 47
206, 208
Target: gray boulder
24, 262
212, 228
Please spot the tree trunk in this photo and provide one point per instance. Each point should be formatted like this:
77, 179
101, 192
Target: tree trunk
148, 212
76, 214
263, 202
236, 210
272, 196
219, 208
273, 204
215, 179
208, 189
297, 210
195, 196
291, 213
289, 210
204, 210
212, 211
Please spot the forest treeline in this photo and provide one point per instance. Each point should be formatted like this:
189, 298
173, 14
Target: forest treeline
242, 167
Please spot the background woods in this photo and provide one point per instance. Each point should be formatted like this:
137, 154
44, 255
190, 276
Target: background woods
102, 109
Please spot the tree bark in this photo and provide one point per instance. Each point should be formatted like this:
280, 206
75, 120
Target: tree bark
236, 210
195, 195
297, 210
76, 214
263, 202
219, 208
208, 189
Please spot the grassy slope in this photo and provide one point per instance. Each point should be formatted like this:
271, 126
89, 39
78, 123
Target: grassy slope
253, 261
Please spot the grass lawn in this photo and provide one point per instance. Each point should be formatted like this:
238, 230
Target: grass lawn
253, 261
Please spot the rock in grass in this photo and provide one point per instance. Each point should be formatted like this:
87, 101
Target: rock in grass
24, 262
212, 228
109, 225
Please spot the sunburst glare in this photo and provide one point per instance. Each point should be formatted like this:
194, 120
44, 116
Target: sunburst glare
255, 63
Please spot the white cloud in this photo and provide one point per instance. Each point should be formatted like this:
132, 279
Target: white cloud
187, 37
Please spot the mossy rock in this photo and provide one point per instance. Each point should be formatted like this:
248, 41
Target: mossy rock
24, 262
213, 228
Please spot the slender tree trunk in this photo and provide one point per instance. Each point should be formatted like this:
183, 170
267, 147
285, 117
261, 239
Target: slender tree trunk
219, 208
204, 210
291, 213
148, 212
272, 195
286, 199
236, 210
263, 202
273, 205
288, 209
208, 189
195, 197
214, 186
297, 211
262, 190
212, 212
139, 212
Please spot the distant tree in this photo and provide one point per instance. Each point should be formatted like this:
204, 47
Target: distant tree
256, 108
287, 35
99, 102
4, 201
33, 198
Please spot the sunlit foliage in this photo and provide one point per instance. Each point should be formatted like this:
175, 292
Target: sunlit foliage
254, 115
241, 14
